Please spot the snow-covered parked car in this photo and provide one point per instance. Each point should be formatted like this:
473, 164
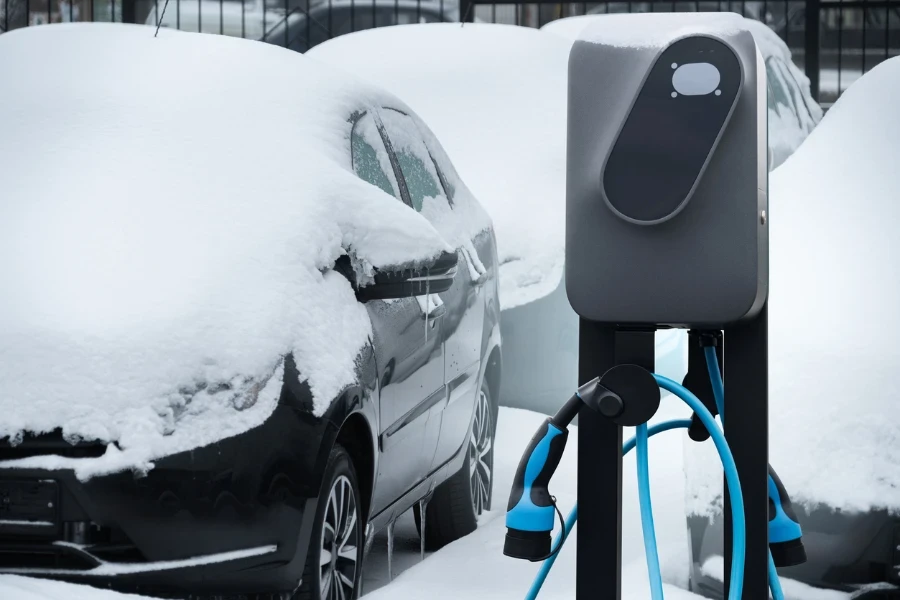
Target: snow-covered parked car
249, 317
833, 357
498, 103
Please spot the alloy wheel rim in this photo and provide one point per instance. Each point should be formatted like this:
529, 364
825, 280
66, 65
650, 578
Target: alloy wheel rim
480, 457
338, 553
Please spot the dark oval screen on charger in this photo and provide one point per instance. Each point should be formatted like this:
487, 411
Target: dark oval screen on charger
666, 140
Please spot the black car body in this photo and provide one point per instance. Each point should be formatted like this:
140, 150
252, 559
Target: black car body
246, 515
856, 553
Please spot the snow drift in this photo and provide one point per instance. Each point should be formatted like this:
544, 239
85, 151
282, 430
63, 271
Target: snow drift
170, 211
507, 85
833, 356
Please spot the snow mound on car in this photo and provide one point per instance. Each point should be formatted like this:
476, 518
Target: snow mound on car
170, 211
834, 318
495, 95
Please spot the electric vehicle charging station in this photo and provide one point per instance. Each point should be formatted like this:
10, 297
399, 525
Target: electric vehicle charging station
666, 226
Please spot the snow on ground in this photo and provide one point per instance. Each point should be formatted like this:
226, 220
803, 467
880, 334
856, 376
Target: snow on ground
508, 84
168, 251
833, 319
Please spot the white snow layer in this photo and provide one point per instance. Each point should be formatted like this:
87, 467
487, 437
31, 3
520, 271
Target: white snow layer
657, 30
498, 105
14, 587
833, 318
167, 225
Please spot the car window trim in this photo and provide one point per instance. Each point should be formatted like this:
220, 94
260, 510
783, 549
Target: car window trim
440, 173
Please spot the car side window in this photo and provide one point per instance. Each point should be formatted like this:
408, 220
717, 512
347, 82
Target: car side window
370, 158
797, 93
416, 164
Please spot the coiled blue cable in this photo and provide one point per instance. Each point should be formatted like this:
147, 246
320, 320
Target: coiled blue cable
573, 515
731, 477
739, 533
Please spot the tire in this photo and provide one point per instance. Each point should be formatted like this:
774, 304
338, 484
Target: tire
337, 513
455, 507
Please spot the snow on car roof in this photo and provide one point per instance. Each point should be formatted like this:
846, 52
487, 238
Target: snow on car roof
501, 115
171, 208
833, 317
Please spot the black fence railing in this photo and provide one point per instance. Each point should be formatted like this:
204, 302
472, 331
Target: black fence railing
833, 41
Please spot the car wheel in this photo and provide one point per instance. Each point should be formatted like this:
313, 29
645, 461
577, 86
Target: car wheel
458, 502
334, 559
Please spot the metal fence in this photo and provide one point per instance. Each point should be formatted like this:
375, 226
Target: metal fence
833, 41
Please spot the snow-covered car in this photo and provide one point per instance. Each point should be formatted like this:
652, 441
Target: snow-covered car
833, 322
498, 103
249, 317
792, 111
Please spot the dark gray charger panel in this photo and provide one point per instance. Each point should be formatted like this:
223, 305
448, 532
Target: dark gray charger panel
665, 191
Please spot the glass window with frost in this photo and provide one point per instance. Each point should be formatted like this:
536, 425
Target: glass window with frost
369, 156
779, 90
416, 165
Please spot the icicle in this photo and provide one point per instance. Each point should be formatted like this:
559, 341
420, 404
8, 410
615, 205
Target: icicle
423, 505
390, 549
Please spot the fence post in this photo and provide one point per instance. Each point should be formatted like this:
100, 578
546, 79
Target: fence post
129, 11
467, 11
812, 50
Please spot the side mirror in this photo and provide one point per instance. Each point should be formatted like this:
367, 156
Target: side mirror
406, 283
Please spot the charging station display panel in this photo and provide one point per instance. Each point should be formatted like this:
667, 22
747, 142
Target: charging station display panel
666, 183
672, 130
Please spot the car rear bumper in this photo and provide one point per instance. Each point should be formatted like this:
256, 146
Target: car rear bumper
846, 552
233, 517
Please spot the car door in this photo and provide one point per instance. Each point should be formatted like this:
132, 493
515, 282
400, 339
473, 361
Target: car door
408, 347
464, 305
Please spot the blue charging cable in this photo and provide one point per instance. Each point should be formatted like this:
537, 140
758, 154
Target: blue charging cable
573, 516
737, 508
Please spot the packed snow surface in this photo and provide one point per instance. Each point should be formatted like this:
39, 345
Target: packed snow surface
495, 96
833, 318
657, 30
167, 226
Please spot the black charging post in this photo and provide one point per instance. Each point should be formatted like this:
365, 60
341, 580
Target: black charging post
599, 546
666, 202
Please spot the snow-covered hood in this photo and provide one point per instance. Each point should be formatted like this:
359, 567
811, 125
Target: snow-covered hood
497, 102
833, 311
167, 225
